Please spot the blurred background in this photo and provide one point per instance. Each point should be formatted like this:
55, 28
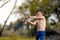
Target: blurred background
12, 11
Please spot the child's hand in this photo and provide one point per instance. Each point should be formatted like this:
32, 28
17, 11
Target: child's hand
26, 20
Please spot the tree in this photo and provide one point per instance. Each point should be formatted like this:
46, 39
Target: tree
8, 18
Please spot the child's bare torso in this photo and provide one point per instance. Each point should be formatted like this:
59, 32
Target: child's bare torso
41, 24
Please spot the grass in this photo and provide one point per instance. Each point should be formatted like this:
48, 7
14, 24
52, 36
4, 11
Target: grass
17, 38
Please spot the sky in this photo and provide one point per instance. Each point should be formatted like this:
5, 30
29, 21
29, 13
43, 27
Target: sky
53, 17
6, 9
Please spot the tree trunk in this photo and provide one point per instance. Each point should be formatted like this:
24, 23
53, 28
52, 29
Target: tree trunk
7, 18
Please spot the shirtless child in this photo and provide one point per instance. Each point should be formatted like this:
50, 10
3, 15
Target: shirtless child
41, 24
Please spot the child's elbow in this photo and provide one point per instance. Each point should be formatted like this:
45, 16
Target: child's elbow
33, 24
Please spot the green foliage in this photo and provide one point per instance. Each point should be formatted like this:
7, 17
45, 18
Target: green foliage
20, 8
46, 6
33, 8
10, 26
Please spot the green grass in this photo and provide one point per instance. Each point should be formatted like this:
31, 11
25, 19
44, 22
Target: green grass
17, 38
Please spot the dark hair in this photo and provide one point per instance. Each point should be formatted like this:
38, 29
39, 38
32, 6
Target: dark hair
39, 10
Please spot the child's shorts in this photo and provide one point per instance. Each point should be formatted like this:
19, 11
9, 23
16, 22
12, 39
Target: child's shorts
40, 35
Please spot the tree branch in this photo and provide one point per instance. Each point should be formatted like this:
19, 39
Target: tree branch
4, 3
8, 18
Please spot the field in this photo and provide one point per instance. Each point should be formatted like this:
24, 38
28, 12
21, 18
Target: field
17, 38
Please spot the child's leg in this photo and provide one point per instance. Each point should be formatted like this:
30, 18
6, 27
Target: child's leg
15, 28
10, 31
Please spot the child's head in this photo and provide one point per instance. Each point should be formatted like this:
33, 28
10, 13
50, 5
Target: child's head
39, 12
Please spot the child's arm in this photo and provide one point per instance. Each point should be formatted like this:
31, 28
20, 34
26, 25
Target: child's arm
32, 23
35, 17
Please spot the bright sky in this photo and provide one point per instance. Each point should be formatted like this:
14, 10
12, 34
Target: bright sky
6, 9
53, 17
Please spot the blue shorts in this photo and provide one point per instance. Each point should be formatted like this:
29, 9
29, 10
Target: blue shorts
40, 35
18, 25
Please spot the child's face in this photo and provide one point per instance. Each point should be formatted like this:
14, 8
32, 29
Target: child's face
38, 14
